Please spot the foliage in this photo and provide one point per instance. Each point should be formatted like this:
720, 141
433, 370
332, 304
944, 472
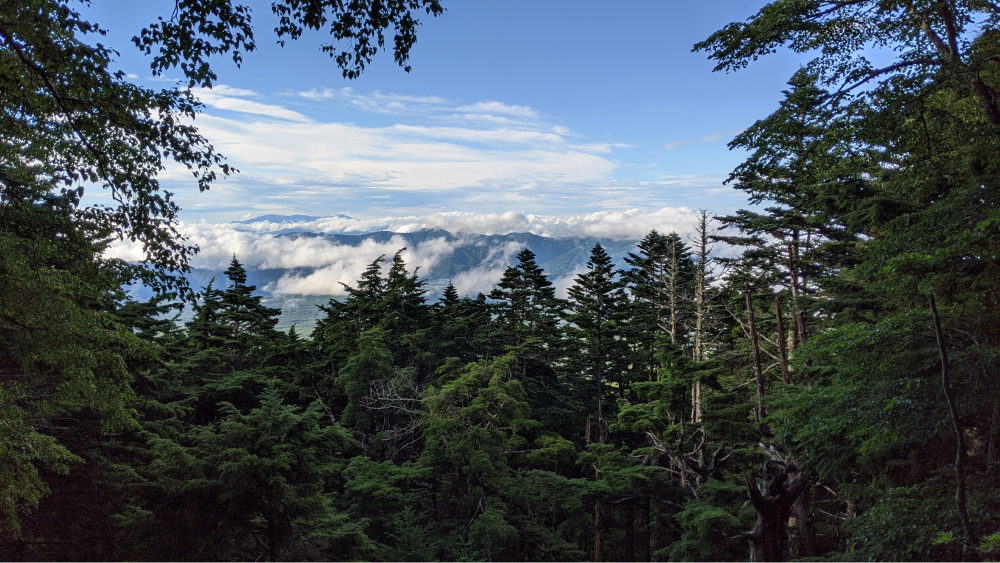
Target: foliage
463, 429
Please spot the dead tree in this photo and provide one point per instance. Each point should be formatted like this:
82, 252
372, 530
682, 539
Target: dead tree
773, 500
782, 349
703, 277
692, 466
758, 371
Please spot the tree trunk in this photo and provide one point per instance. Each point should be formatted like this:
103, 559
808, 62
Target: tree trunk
597, 530
793, 272
960, 499
987, 99
701, 311
773, 502
696, 402
602, 435
273, 547
597, 519
629, 531
804, 524
758, 373
782, 349
675, 270
991, 450
650, 530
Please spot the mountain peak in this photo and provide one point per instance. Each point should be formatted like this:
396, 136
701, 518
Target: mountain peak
291, 218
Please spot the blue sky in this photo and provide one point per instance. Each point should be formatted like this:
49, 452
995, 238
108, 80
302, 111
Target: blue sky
555, 108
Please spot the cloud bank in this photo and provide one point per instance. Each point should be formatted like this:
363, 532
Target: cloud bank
318, 266
626, 224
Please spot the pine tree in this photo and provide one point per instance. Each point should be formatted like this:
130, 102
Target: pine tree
660, 283
528, 308
271, 471
404, 309
382, 400
461, 328
598, 305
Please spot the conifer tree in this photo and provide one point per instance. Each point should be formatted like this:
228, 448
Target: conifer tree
529, 308
461, 329
272, 471
527, 323
597, 315
660, 282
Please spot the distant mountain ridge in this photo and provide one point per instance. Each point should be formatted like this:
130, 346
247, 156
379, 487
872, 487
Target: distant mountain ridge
558, 257
289, 218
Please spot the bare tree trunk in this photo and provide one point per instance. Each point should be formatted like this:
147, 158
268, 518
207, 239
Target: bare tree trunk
701, 311
600, 417
793, 272
804, 524
960, 500
601, 433
782, 349
991, 449
586, 432
630, 531
597, 519
758, 372
675, 270
773, 501
650, 531
597, 531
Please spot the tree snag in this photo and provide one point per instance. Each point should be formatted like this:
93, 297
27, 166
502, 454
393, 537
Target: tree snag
782, 348
773, 500
758, 372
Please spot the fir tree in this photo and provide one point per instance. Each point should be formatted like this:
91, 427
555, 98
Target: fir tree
596, 314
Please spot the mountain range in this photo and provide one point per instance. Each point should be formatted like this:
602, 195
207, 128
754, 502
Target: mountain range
482, 256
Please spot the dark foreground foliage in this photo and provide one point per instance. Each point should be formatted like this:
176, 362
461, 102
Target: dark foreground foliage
830, 392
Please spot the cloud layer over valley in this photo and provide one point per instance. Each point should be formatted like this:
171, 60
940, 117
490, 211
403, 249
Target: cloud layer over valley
315, 256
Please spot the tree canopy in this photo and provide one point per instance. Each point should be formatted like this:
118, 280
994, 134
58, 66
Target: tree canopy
828, 391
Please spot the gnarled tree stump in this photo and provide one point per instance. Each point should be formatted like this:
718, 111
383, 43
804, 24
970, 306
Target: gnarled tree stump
773, 501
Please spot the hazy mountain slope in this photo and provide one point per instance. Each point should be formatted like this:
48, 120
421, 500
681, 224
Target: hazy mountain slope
561, 258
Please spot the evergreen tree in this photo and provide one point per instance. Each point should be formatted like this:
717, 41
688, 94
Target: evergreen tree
461, 329
272, 472
527, 323
598, 305
528, 309
660, 282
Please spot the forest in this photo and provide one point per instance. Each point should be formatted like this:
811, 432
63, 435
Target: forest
828, 389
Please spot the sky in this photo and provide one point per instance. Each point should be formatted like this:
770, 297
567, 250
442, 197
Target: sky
561, 118
555, 108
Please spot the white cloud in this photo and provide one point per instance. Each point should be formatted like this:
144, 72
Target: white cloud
494, 107
317, 265
562, 284
224, 90
623, 224
376, 102
344, 265
706, 139
490, 136
232, 99
297, 153
399, 157
489, 272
